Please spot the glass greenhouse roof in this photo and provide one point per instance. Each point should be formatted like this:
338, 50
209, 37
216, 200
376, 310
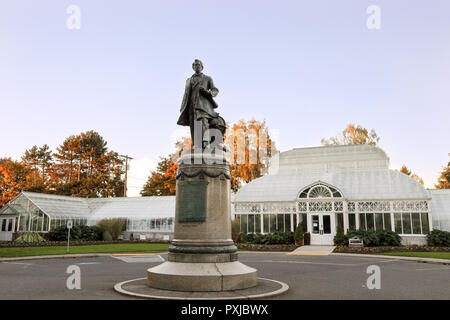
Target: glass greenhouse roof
135, 208
360, 172
354, 185
96, 208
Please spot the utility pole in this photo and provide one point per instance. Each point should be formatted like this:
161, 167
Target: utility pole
126, 171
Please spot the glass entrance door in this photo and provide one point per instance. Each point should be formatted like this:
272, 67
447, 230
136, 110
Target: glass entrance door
322, 227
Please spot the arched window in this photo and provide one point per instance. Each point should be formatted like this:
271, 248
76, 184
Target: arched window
320, 191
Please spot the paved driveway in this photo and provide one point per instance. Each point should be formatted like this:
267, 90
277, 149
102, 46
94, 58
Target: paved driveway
309, 277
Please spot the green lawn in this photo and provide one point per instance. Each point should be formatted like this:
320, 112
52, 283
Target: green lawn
435, 255
101, 248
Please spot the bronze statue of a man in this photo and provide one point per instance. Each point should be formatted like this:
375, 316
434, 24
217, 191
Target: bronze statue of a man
197, 107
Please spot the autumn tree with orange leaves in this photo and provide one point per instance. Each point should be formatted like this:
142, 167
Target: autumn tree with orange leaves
444, 178
13, 177
162, 181
408, 172
251, 148
353, 135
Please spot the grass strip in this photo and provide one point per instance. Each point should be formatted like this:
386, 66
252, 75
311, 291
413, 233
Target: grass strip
101, 248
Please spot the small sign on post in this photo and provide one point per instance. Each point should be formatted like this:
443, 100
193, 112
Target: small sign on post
69, 226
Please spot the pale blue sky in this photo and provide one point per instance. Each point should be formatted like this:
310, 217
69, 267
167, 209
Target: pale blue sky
308, 68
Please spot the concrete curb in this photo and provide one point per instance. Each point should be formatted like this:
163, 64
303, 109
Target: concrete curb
93, 255
417, 259
70, 256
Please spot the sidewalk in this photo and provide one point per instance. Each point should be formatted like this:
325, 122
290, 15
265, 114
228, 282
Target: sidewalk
313, 251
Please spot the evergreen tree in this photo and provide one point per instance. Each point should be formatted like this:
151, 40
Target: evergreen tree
85, 167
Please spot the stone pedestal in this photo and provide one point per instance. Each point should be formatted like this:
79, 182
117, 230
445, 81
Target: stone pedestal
202, 256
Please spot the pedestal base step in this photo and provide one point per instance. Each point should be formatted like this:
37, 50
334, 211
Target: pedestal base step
265, 288
200, 277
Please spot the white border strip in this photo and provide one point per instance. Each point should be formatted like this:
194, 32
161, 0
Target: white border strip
284, 288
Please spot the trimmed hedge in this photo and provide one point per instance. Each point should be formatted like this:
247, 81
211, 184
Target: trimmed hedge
270, 238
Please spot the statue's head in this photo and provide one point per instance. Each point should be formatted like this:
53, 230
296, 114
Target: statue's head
197, 65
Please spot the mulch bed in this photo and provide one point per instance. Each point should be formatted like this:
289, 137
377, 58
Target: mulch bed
374, 250
266, 247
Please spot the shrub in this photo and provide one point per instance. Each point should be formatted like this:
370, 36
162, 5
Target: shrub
369, 238
279, 238
307, 238
79, 232
438, 238
298, 234
340, 238
90, 233
372, 238
107, 236
115, 227
60, 234
388, 238
242, 238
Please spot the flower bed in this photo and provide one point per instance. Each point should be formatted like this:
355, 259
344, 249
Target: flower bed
375, 250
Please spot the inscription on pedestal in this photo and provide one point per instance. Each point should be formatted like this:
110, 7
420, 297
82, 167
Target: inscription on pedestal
192, 201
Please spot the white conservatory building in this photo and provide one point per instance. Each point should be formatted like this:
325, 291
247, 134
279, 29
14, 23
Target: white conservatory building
320, 187
326, 187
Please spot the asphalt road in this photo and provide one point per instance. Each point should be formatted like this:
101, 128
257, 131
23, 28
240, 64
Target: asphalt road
309, 277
